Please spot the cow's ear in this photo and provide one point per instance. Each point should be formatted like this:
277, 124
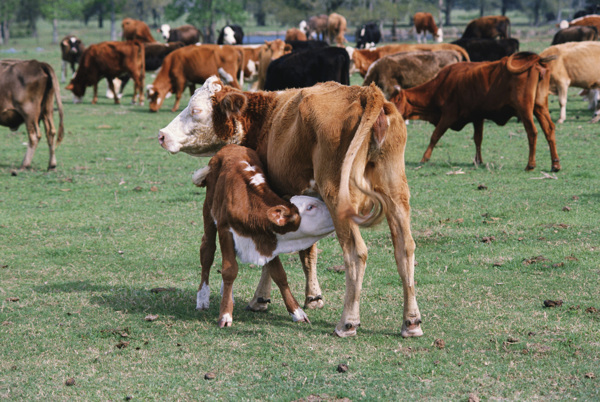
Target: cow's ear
279, 215
69, 87
233, 103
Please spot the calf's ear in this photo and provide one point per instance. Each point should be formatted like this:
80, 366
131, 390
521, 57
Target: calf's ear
280, 215
233, 103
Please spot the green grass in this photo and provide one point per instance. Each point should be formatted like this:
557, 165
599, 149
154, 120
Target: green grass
82, 247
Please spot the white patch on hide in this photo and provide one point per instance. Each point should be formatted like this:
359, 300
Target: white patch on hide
203, 297
299, 315
225, 75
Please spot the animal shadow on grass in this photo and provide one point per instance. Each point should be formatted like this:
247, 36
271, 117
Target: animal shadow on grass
176, 304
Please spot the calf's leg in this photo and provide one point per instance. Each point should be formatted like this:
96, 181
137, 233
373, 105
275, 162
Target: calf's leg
229, 271
280, 278
262, 295
207, 257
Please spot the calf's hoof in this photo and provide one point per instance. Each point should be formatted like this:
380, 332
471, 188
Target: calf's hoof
346, 330
258, 304
314, 302
225, 321
411, 329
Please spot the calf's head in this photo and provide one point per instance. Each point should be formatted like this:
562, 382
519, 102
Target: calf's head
193, 130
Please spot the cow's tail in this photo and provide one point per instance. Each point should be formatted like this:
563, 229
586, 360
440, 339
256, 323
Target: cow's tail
55, 85
372, 128
520, 62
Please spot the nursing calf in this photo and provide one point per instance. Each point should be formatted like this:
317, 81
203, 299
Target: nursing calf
253, 223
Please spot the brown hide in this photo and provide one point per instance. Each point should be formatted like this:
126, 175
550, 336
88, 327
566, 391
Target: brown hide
136, 30
29, 88
465, 93
491, 26
193, 64
363, 58
294, 34
336, 27
110, 60
71, 49
268, 52
587, 20
318, 25
424, 22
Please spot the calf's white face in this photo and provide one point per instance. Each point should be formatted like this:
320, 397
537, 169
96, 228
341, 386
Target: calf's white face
228, 36
192, 130
165, 30
439, 36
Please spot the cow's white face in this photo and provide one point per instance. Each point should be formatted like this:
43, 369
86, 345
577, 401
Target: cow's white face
564, 24
439, 36
303, 26
228, 36
192, 130
165, 30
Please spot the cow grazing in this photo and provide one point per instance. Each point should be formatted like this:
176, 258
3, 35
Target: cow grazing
294, 34
575, 65
361, 59
194, 64
71, 49
110, 60
575, 34
483, 49
29, 88
491, 27
308, 67
463, 93
367, 35
336, 27
408, 69
188, 34
136, 30
316, 27
253, 223
231, 35
423, 23
345, 143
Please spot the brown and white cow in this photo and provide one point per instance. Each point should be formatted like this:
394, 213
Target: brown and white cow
491, 26
188, 34
408, 69
316, 27
361, 59
294, 34
345, 143
336, 27
71, 49
592, 20
29, 88
575, 65
463, 93
254, 223
194, 64
136, 30
110, 60
423, 23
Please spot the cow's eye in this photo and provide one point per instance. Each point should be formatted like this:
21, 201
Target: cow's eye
310, 207
196, 112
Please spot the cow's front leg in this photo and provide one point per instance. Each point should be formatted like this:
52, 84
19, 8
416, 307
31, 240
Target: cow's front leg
439, 131
111, 87
229, 272
313, 295
262, 295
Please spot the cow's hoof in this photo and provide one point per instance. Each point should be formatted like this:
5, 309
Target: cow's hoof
556, 168
411, 329
225, 321
314, 302
346, 330
258, 304
529, 167
300, 316
52, 168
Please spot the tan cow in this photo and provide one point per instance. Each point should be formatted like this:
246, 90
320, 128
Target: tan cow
194, 64
294, 34
268, 52
345, 143
136, 30
424, 23
361, 59
336, 27
576, 65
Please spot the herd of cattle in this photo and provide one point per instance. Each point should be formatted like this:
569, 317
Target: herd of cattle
314, 134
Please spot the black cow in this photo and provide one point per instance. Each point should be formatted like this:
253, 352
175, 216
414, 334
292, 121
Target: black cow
71, 48
187, 34
367, 35
298, 45
575, 34
231, 35
306, 68
488, 49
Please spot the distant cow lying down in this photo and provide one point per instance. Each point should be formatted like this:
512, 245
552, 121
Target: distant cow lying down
254, 223
408, 69
345, 143
464, 93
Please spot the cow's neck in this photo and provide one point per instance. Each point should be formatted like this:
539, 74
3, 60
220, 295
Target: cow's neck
257, 113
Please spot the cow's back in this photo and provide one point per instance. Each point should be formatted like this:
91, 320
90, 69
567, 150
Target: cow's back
575, 61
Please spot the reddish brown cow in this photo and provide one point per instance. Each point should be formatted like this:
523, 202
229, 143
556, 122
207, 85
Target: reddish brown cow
254, 223
491, 26
29, 88
194, 64
136, 30
361, 59
110, 60
463, 93
424, 23
345, 143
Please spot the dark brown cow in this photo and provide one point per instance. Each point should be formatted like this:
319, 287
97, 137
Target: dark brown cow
188, 34
136, 30
110, 60
491, 26
194, 64
28, 91
424, 23
464, 93
253, 223
71, 49
345, 143
575, 34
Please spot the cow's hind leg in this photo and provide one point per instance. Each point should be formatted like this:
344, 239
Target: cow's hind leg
313, 295
33, 132
543, 117
50, 136
478, 138
229, 271
280, 278
207, 257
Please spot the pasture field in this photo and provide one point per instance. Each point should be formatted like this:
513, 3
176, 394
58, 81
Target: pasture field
84, 249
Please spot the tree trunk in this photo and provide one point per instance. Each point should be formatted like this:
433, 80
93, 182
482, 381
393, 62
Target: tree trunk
481, 8
447, 11
393, 32
113, 23
100, 16
54, 31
